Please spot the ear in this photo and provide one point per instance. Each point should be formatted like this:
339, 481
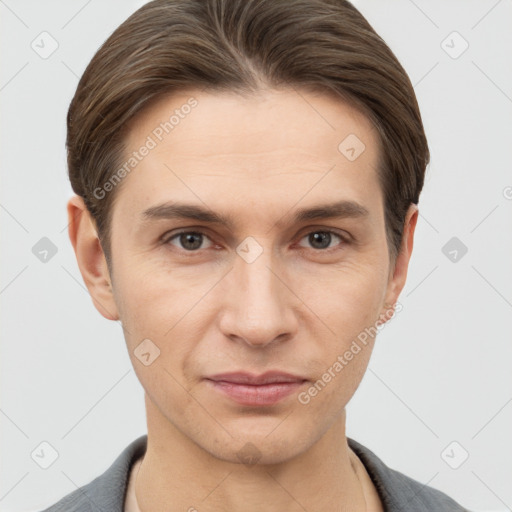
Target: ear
90, 257
398, 274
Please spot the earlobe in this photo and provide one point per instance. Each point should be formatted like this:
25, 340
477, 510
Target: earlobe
90, 257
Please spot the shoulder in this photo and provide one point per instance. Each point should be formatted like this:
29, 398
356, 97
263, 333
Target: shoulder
399, 492
107, 491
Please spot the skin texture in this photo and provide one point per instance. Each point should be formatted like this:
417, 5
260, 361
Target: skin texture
296, 308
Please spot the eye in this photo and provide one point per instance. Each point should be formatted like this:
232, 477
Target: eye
190, 241
321, 239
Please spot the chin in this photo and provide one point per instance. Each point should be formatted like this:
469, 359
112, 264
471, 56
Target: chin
250, 448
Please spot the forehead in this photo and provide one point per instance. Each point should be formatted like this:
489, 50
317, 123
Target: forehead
280, 146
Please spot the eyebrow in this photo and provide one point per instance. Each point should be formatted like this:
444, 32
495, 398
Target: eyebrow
175, 210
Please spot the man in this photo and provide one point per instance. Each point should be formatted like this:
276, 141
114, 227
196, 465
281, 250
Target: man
247, 174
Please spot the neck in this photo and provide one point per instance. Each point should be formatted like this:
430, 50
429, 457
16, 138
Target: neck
176, 475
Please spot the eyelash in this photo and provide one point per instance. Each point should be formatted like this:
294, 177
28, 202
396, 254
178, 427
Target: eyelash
344, 240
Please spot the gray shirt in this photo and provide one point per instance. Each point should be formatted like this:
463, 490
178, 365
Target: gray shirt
398, 492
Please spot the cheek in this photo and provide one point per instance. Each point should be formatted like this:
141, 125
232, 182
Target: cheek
148, 302
349, 305
348, 299
166, 310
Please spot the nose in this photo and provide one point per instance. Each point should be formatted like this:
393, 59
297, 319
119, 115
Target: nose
259, 306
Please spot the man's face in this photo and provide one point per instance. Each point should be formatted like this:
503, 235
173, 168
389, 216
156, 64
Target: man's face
268, 292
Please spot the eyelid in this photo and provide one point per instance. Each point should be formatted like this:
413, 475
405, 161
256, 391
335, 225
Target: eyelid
326, 229
201, 229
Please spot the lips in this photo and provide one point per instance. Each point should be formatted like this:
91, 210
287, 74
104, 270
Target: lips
270, 377
256, 390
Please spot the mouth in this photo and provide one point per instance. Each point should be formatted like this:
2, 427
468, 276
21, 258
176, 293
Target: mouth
256, 390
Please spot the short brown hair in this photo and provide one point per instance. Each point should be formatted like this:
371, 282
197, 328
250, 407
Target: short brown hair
238, 45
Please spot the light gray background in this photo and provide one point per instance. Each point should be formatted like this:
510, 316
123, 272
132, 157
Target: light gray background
441, 370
